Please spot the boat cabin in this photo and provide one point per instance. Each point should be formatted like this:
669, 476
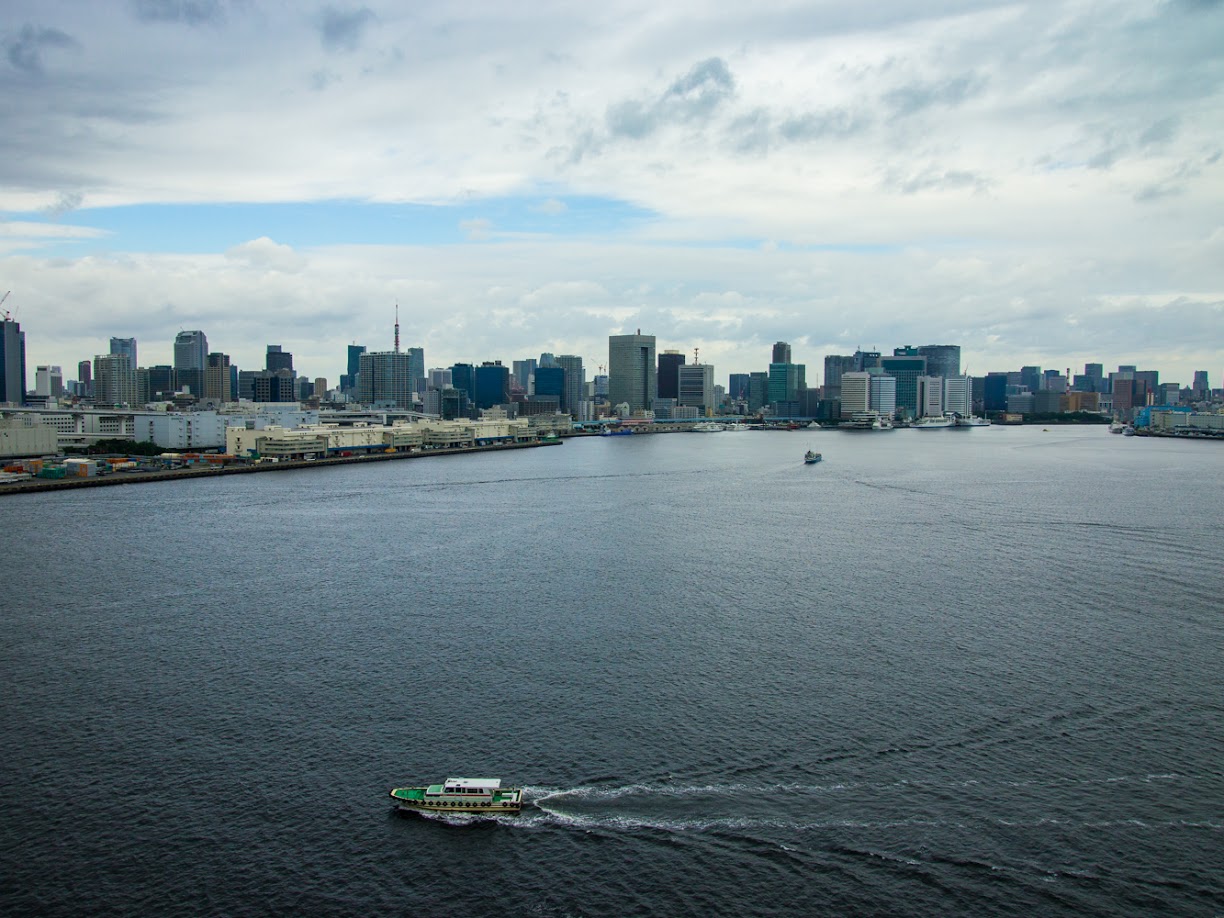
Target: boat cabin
466, 787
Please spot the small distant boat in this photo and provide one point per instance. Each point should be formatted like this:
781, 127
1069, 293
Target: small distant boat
867, 420
1117, 427
972, 421
811, 458
483, 796
707, 427
616, 431
1128, 431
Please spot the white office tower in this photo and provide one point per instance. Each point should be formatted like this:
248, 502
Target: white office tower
958, 395
855, 393
930, 396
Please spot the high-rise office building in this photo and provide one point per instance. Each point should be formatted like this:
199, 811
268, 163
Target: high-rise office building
416, 368
758, 391
114, 380
522, 371
574, 396
883, 395
348, 380
994, 392
384, 380
277, 358
834, 366
12, 363
785, 382
905, 369
125, 346
155, 384
865, 360
463, 378
781, 352
190, 359
696, 386
1030, 378
48, 381
958, 395
550, 384
930, 396
942, 359
85, 378
669, 373
492, 384
633, 376
440, 378
855, 392
217, 378
737, 390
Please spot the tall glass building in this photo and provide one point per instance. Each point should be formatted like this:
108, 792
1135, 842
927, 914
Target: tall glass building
633, 376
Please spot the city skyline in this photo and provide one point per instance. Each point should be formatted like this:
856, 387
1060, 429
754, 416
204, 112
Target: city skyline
1038, 185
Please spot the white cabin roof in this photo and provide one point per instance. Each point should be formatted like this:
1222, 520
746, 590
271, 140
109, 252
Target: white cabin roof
486, 783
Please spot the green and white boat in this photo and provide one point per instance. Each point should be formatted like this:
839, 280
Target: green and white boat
461, 795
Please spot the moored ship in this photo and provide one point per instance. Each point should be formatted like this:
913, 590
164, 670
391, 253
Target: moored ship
483, 796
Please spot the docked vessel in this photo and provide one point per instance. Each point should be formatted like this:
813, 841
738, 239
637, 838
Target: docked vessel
616, 432
972, 421
867, 420
461, 795
707, 427
934, 423
811, 458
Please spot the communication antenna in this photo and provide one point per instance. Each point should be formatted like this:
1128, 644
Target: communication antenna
397, 328
696, 354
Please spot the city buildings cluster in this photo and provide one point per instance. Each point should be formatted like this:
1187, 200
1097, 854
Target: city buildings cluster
638, 381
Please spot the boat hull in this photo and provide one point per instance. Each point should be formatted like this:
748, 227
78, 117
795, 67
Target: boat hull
412, 799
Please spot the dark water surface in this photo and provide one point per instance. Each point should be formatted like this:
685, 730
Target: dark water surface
943, 672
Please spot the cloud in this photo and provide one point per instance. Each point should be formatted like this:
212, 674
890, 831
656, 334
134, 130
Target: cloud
265, 253
477, 230
26, 51
692, 97
908, 100
66, 201
552, 207
343, 30
191, 12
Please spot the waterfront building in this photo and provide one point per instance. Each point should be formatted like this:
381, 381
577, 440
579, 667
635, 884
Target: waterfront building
12, 363
994, 392
883, 393
696, 386
114, 380
941, 359
930, 391
958, 395
670, 363
384, 379
855, 392
632, 371
49, 382
125, 346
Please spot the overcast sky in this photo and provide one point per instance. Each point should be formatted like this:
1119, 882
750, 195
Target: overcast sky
1040, 183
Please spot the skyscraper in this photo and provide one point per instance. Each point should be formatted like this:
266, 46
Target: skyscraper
941, 359
125, 346
217, 378
384, 380
696, 385
574, 396
905, 369
348, 380
85, 378
12, 363
277, 359
669, 373
781, 352
492, 384
416, 369
633, 377
48, 381
114, 380
1202, 383
190, 359
834, 366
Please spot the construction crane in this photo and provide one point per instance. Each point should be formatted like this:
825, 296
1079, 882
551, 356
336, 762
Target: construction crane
7, 316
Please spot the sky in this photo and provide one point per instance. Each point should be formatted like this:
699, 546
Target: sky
1040, 183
